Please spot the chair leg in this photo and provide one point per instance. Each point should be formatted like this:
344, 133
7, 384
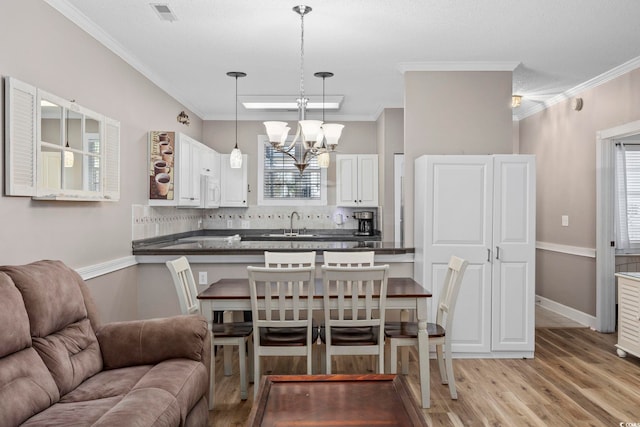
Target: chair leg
381, 359
250, 351
404, 360
256, 372
449, 364
393, 356
212, 379
327, 360
441, 363
242, 361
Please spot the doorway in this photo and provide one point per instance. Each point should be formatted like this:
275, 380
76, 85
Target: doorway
605, 223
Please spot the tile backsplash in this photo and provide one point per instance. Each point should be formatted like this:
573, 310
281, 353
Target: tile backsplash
155, 221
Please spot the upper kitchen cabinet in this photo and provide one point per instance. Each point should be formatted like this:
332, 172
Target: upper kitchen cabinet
357, 180
233, 183
190, 153
58, 150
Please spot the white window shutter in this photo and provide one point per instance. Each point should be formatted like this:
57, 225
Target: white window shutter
21, 120
111, 187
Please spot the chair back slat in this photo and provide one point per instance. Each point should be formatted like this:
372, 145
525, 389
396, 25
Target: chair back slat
289, 259
185, 285
450, 290
281, 297
348, 259
361, 295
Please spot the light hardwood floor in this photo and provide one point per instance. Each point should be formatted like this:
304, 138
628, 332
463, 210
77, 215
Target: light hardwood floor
575, 379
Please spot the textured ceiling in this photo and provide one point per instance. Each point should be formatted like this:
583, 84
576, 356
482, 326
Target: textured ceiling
555, 44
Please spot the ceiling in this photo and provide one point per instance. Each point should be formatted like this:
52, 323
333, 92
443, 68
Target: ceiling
553, 45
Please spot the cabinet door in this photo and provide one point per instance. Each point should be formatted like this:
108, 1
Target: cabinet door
368, 180
233, 183
346, 180
188, 182
513, 286
453, 217
629, 315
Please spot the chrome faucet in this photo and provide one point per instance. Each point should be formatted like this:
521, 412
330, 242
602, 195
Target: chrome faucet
291, 222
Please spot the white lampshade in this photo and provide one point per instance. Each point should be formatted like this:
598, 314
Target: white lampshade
324, 160
235, 159
310, 129
332, 132
275, 130
285, 135
319, 139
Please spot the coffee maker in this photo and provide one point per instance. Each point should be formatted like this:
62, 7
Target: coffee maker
365, 223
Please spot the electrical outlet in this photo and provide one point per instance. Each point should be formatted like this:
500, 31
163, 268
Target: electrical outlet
202, 278
229, 223
246, 224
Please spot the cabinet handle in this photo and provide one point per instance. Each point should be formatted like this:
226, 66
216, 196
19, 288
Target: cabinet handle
355, 201
488, 255
497, 252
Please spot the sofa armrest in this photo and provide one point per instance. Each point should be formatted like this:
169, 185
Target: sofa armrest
145, 342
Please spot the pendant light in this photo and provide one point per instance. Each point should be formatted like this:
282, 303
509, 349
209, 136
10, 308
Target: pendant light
68, 155
235, 159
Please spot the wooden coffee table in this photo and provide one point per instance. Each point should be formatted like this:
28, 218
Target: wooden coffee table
331, 400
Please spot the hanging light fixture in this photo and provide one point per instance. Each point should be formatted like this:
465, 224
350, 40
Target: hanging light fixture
235, 159
317, 138
68, 155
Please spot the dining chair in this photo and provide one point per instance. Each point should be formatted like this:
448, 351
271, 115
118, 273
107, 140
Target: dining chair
354, 312
406, 333
222, 334
348, 259
281, 307
289, 259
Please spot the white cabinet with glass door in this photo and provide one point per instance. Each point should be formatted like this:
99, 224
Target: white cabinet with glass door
482, 209
357, 180
233, 183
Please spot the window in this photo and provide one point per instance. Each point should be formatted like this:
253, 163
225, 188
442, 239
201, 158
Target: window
280, 183
627, 197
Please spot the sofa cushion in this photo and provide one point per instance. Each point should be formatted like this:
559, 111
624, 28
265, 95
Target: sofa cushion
71, 354
185, 379
84, 413
26, 387
16, 337
115, 382
60, 329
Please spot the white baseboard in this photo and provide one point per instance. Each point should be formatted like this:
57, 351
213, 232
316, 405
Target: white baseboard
571, 313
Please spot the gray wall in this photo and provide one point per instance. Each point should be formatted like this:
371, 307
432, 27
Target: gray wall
460, 112
41, 47
563, 141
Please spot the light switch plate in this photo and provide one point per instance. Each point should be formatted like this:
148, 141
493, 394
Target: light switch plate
246, 224
202, 278
565, 220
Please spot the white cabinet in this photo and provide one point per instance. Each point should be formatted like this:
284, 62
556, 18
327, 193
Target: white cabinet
357, 180
188, 152
628, 314
210, 180
233, 183
482, 209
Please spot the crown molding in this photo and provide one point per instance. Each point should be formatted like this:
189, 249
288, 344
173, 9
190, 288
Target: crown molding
74, 15
403, 67
605, 77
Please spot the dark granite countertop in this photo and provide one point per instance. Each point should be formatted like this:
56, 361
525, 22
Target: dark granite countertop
255, 242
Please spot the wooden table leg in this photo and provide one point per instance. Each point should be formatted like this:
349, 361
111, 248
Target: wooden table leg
423, 351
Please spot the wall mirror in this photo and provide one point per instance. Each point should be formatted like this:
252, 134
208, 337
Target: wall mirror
69, 151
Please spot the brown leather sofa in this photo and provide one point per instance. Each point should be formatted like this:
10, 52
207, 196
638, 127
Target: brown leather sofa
60, 367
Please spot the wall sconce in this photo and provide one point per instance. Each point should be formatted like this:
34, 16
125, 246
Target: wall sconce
183, 118
516, 100
576, 104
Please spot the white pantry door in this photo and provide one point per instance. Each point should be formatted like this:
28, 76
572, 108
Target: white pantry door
513, 287
454, 203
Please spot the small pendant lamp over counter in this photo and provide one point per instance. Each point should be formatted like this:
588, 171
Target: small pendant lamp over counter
235, 159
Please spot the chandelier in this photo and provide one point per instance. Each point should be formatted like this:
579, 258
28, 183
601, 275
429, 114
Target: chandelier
317, 138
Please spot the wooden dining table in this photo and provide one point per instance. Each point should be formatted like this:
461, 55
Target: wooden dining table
403, 293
